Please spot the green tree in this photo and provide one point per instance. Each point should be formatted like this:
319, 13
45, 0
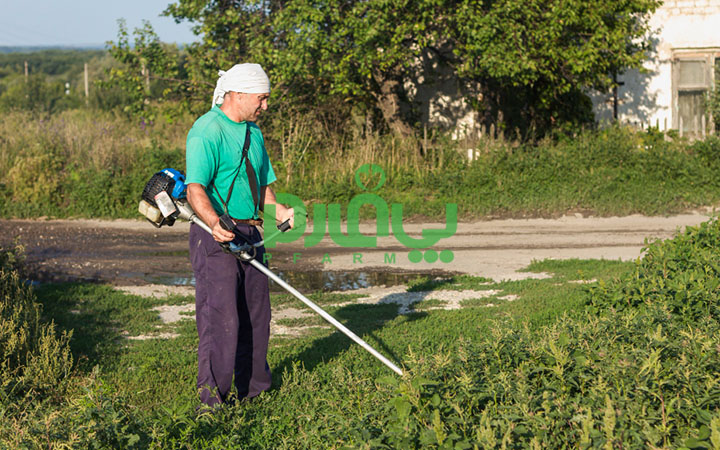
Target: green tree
317, 51
532, 60
36, 94
363, 52
232, 32
537, 58
146, 66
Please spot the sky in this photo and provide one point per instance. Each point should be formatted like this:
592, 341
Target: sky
83, 22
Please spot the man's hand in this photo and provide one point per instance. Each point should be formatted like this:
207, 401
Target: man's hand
287, 214
282, 212
220, 234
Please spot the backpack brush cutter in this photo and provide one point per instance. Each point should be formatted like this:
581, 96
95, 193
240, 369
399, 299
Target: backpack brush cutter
164, 201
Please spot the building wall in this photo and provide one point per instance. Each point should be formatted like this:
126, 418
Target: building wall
680, 27
438, 97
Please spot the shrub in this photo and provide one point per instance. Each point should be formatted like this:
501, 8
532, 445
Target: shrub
34, 180
32, 357
683, 275
637, 369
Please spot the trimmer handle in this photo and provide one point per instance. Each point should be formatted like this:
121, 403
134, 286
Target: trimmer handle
284, 226
227, 223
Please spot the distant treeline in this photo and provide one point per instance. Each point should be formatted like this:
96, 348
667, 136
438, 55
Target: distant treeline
54, 62
40, 48
55, 81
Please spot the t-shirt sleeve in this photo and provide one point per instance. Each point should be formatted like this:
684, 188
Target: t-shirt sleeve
200, 160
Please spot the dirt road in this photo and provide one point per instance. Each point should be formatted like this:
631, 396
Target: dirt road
126, 252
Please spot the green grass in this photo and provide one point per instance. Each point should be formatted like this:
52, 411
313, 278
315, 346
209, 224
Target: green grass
320, 298
142, 393
577, 269
628, 360
428, 304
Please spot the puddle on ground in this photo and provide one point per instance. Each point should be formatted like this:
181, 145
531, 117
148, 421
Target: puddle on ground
312, 281
341, 281
179, 253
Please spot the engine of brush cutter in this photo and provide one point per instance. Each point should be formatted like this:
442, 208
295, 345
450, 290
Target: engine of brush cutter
164, 200
160, 198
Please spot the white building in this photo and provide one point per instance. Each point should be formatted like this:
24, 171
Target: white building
683, 65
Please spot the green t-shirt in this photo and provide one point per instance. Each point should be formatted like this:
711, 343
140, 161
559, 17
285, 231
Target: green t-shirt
213, 154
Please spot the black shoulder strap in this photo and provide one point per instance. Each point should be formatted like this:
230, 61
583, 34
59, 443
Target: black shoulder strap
250, 174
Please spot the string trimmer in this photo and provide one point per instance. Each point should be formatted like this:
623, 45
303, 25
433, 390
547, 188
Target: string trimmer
164, 201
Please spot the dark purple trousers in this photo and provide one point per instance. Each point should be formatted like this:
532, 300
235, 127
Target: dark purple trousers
232, 308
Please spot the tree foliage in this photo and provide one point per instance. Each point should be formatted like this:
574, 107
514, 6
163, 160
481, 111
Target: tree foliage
531, 61
149, 70
713, 100
547, 54
63, 64
54, 82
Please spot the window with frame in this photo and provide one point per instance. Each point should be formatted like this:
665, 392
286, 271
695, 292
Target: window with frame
693, 78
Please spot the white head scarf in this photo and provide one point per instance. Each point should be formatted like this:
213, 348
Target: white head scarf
247, 78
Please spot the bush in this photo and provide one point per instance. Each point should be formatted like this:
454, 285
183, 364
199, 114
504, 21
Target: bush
681, 275
34, 180
637, 369
32, 357
38, 95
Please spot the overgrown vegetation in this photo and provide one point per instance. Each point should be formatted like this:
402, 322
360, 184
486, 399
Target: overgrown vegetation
35, 361
62, 155
94, 164
637, 369
630, 360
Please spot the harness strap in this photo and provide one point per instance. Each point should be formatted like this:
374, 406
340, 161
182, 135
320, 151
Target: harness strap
250, 174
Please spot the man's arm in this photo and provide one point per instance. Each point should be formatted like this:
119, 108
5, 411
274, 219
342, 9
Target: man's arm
282, 212
200, 203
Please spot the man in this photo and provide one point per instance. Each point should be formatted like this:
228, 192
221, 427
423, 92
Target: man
228, 172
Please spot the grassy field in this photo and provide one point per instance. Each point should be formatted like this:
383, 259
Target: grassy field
499, 372
127, 393
602, 354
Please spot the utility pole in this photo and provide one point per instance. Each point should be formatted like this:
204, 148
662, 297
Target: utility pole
87, 88
26, 72
146, 73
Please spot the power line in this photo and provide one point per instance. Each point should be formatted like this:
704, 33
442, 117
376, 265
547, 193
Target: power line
13, 38
27, 35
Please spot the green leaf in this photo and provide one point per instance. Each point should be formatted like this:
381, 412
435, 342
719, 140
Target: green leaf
694, 443
402, 407
703, 433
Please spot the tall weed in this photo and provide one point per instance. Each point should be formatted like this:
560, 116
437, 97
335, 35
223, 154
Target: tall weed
95, 164
33, 358
682, 275
81, 162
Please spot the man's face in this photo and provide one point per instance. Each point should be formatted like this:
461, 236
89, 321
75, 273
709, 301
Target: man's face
249, 106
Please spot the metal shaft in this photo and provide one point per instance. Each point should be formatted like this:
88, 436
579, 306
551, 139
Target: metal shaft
325, 316
312, 305
196, 220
